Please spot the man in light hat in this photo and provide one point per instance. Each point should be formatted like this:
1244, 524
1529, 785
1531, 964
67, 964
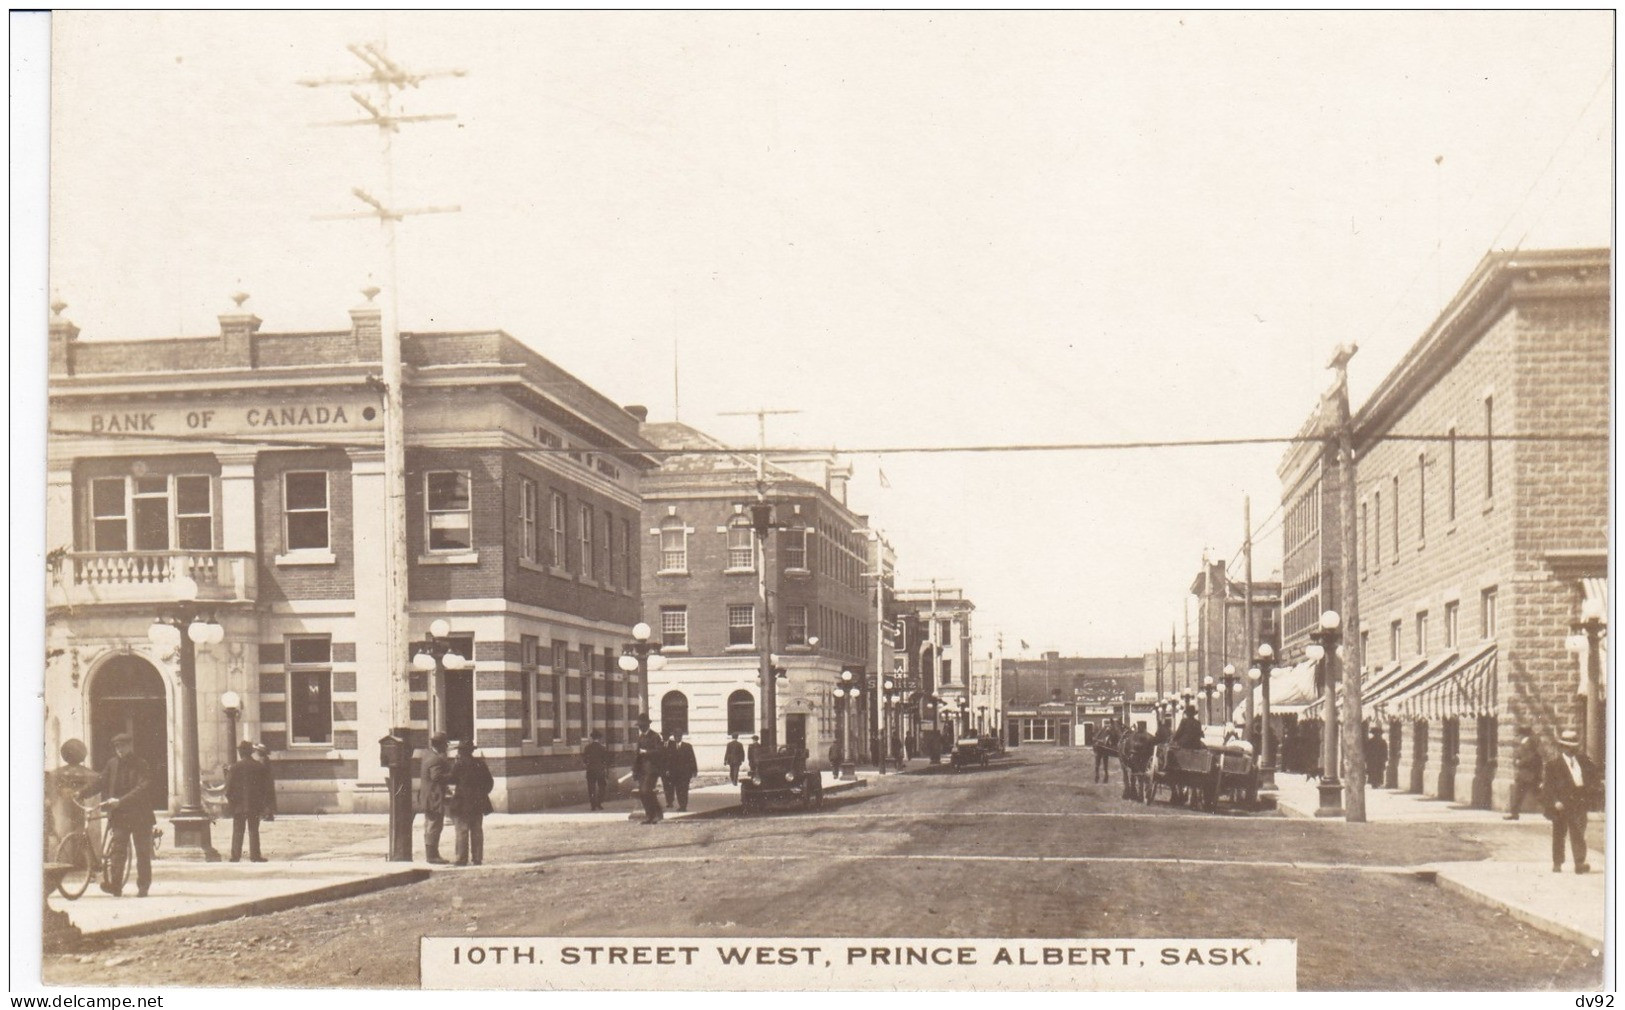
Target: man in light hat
432, 795
126, 782
648, 766
1573, 785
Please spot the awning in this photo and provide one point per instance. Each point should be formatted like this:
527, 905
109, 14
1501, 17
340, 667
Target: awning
1379, 697
1292, 689
1465, 688
1386, 681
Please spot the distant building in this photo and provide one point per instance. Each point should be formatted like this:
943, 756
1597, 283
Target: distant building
1064, 699
1222, 637
936, 654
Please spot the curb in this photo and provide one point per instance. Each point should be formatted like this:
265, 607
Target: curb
1523, 915
262, 906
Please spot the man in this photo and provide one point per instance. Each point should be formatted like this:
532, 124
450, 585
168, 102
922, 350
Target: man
1189, 733
668, 776
436, 772
1573, 784
595, 758
647, 766
470, 801
897, 752
1376, 756
752, 752
1526, 762
126, 783
1135, 750
246, 786
1106, 743
262, 754
733, 756
684, 766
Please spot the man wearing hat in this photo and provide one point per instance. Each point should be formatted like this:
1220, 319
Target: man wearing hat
126, 783
246, 786
595, 758
648, 766
1573, 784
262, 754
470, 802
436, 772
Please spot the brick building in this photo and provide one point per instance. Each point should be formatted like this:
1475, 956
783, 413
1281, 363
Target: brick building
1475, 553
703, 595
1222, 637
936, 655
246, 470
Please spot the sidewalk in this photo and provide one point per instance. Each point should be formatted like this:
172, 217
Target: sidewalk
1299, 797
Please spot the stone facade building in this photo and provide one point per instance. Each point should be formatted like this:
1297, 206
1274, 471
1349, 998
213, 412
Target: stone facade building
241, 477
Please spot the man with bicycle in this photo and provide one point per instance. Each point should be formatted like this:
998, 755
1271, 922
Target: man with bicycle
126, 783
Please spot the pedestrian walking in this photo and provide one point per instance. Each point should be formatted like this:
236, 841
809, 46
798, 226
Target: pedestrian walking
1106, 743
262, 754
435, 773
126, 783
595, 758
1376, 756
470, 801
897, 752
646, 767
752, 753
1526, 763
668, 776
1572, 786
684, 766
246, 787
733, 756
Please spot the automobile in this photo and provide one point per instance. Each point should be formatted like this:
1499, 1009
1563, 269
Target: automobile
969, 751
781, 779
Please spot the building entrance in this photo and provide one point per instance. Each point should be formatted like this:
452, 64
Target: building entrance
127, 696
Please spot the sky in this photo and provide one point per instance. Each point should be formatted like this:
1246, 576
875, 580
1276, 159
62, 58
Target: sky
914, 229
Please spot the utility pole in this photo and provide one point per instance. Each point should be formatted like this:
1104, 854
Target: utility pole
1247, 604
386, 77
1187, 608
762, 524
1353, 666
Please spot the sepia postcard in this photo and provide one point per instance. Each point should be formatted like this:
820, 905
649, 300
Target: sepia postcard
900, 502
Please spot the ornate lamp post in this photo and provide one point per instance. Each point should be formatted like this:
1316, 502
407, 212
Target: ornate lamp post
232, 704
1208, 690
1265, 662
639, 656
1229, 683
1323, 649
180, 630
1586, 640
846, 691
433, 656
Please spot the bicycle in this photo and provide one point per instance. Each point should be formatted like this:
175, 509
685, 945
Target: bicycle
110, 862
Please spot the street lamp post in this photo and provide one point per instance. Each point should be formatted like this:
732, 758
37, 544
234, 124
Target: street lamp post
1586, 640
1229, 684
1208, 690
846, 693
433, 656
639, 656
1323, 649
232, 704
1265, 662
181, 629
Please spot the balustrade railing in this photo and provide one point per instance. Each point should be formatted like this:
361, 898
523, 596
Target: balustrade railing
225, 576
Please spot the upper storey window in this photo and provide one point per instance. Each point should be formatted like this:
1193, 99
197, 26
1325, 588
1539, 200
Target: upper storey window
448, 510
673, 545
152, 513
305, 510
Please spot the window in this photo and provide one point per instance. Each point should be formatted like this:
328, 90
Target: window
947, 670
1452, 495
1486, 610
1394, 510
109, 517
945, 632
310, 689
674, 627
1452, 625
558, 560
674, 713
1489, 447
528, 544
1376, 525
741, 713
612, 560
742, 624
529, 646
741, 545
1394, 634
447, 511
628, 581
1422, 633
194, 513
793, 543
795, 625
561, 661
673, 545
584, 532
1421, 497
305, 510
151, 513
1365, 539
1365, 646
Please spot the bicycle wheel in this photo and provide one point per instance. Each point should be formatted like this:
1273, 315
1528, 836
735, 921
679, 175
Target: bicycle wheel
76, 852
116, 856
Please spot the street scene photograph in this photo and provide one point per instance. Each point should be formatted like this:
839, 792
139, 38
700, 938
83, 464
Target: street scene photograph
813, 501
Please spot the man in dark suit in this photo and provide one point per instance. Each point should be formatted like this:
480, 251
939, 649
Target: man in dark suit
1526, 764
752, 752
668, 775
1573, 785
1189, 733
247, 783
647, 766
684, 767
733, 757
470, 801
126, 783
436, 772
595, 757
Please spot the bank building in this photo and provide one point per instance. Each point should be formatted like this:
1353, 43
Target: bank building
215, 557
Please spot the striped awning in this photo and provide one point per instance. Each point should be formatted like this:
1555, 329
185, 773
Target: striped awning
1464, 689
1417, 673
1292, 689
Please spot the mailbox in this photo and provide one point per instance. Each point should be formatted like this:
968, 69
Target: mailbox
394, 752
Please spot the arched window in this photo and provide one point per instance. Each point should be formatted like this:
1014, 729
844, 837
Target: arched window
673, 545
741, 713
741, 544
674, 713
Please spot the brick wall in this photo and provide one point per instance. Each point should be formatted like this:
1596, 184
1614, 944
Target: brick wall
332, 581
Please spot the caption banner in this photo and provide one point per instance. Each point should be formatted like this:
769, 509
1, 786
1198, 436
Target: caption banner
848, 963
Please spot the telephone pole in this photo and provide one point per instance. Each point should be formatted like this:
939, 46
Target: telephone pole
1353, 665
385, 78
1251, 646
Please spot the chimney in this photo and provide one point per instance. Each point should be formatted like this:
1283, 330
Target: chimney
639, 412
838, 476
367, 328
62, 335
237, 333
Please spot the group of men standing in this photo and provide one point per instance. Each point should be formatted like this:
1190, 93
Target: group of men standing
461, 788
665, 766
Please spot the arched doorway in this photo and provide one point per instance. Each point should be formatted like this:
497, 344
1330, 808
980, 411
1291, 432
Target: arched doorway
674, 713
127, 696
